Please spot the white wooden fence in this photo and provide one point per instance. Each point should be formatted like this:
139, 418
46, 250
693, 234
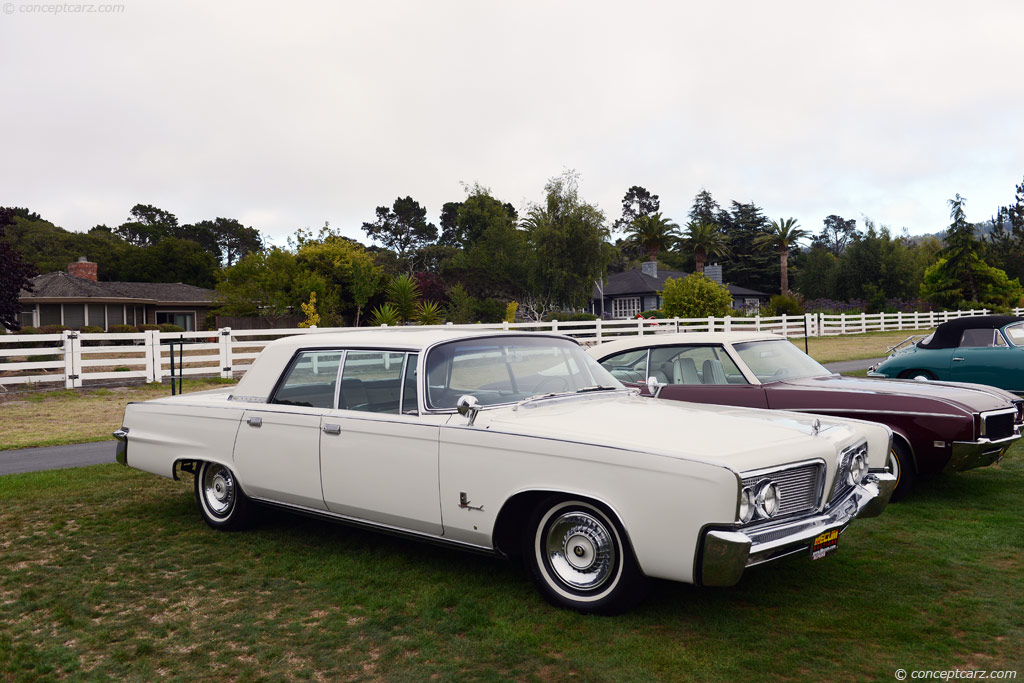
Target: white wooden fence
73, 358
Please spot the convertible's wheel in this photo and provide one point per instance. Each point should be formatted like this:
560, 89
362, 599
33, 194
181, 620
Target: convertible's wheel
917, 374
221, 500
902, 467
578, 558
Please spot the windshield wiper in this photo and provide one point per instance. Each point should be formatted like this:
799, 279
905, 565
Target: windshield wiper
596, 387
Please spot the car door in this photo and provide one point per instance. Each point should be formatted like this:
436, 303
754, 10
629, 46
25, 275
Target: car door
277, 449
378, 454
984, 357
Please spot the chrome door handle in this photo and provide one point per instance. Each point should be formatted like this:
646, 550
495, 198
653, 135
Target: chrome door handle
332, 429
255, 421
956, 359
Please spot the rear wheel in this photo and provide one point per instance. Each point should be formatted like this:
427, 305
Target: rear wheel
221, 500
917, 374
901, 465
578, 558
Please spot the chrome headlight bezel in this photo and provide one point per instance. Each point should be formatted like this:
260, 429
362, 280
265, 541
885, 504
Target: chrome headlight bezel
746, 508
858, 469
767, 499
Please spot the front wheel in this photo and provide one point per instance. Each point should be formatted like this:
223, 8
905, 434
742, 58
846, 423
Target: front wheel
917, 374
901, 464
577, 556
221, 500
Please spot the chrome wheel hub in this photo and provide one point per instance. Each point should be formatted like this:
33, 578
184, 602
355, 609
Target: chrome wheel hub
219, 488
580, 550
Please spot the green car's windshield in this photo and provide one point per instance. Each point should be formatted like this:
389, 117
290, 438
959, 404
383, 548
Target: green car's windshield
508, 369
776, 360
1015, 333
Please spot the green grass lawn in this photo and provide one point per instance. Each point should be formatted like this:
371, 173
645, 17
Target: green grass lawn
109, 573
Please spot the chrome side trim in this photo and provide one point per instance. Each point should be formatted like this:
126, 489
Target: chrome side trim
377, 526
870, 411
247, 399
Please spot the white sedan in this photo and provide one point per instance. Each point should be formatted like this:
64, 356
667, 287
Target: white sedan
515, 444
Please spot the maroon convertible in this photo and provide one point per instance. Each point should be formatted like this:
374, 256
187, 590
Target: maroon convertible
936, 426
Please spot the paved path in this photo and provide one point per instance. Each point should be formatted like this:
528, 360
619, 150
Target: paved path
56, 457
848, 365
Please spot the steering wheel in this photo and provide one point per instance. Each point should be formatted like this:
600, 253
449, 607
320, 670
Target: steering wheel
541, 387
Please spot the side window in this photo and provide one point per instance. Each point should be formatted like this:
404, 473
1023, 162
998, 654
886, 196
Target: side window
695, 365
310, 380
371, 381
628, 366
978, 338
410, 406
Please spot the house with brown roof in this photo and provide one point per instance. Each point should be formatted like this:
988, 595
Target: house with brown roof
624, 295
75, 299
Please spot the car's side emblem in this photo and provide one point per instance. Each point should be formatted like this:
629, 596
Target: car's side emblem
815, 426
464, 503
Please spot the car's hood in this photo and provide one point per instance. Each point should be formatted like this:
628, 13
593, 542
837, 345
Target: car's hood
971, 397
736, 437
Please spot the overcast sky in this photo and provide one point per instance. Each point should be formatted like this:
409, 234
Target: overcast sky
289, 114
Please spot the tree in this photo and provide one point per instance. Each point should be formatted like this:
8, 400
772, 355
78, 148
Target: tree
816, 276
225, 238
836, 234
636, 203
1006, 241
403, 228
568, 251
347, 270
695, 296
705, 209
171, 260
704, 240
653, 233
961, 250
404, 296
148, 225
783, 236
268, 283
745, 264
15, 275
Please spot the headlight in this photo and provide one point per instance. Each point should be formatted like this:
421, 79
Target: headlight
767, 500
746, 505
858, 467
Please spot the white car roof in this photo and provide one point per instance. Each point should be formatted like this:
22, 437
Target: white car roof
260, 378
657, 339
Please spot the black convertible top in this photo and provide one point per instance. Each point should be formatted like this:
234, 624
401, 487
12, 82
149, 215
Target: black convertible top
948, 334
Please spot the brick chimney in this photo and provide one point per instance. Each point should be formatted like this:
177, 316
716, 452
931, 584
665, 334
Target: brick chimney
83, 269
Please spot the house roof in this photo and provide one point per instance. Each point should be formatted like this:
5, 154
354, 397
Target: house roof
636, 282
60, 287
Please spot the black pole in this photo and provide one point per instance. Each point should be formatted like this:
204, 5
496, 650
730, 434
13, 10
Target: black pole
805, 336
170, 346
181, 361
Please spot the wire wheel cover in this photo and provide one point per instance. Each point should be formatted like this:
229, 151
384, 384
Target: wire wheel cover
580, 550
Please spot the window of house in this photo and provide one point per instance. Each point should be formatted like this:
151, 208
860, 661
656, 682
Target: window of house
28, 316
626, 307
96, 317
183, 319
74, 315
49, 314
115, 314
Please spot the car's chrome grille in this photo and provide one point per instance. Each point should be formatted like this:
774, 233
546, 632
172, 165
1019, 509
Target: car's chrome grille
798, 487
999, 426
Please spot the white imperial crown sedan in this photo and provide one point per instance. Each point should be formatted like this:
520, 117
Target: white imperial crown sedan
515, 444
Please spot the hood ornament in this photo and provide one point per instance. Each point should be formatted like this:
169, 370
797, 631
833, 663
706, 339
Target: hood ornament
815, 427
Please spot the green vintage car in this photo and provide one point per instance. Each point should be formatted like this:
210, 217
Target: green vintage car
987, 349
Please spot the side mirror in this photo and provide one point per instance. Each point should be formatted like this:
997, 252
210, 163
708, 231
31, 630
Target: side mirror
654, 386
468, 406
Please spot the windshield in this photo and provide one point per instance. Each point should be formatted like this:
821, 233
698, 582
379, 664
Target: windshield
508, 369
776, 360
1015, 333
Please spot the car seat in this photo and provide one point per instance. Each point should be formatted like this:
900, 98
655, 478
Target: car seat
714, 373
684, 371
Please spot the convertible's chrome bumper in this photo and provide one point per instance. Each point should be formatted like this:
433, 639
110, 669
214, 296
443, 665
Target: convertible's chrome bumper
725, 554
970, 454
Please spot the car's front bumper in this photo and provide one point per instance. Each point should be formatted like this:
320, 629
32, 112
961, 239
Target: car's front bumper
970, 454
725, 554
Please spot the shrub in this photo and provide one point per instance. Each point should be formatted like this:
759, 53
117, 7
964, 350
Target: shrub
567, 317
169, 327
695, 296
654, 313
490, 311
385, 314
28, 329
53, 329
429, 313
461, 306
91, 329
510, 311
122, 329
781, 304
146, 326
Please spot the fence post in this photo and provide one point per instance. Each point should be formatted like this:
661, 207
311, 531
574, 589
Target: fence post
554, 326
808, 325
677, 324
757, 322
72, 359
598, 321
224, 348
785, 325
711, 323
504, 325
640, 327
863, 322
727, 324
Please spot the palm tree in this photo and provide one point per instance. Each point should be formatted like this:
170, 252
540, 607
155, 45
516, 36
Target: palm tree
704, 240
653, 233
783, 235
